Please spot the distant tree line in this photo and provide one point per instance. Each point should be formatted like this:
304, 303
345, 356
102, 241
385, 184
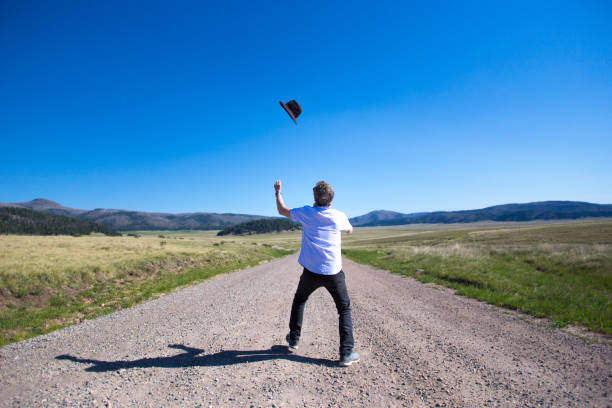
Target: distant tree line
15, 220
261, 226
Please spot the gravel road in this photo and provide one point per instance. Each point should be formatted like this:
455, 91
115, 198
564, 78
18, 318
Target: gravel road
221, 343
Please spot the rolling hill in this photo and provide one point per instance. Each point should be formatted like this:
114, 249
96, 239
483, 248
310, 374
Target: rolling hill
378, 216
543, 210
126, 220
15, 220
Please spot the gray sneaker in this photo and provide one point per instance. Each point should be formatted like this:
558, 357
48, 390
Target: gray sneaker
293, 345
349, 359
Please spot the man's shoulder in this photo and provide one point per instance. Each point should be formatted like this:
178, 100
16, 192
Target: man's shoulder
335, 212
300, 213
302, 209
326, 211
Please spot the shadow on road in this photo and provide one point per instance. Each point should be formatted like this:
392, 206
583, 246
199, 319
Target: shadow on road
191, 358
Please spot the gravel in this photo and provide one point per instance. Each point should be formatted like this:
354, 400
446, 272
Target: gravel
221, 343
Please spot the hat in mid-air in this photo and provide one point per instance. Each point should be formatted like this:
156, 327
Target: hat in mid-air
293, 109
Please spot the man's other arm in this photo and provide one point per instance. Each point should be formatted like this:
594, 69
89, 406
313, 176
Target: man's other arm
280, 204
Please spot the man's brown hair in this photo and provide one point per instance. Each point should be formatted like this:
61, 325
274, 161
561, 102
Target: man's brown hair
323, 194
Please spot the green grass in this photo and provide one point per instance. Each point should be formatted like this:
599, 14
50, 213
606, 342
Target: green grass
51, 282
562, 272
559, 271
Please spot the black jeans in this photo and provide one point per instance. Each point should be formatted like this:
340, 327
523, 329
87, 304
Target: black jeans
336, 286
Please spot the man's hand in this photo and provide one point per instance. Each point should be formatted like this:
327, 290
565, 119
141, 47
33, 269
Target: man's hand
280, 205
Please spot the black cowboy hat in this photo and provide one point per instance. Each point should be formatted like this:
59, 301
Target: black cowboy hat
293, 109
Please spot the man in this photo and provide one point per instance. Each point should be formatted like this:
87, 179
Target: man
320, 256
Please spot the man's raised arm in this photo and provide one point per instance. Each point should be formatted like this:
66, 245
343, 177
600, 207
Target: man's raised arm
280, 205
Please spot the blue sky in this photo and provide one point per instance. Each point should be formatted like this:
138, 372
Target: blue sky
407, 106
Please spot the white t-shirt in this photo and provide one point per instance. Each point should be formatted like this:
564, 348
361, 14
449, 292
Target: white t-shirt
321, 227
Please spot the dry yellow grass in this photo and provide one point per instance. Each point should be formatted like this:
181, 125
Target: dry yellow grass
47, 282
61, 278
558, 270
61, 255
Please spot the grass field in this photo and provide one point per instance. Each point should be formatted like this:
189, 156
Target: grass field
48, 282
559, 271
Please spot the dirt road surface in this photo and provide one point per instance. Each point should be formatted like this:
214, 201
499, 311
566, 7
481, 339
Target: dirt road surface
221, 343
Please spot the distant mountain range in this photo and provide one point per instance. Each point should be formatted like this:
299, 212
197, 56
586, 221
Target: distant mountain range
15, 220
125, 220
543, 210
380, 216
